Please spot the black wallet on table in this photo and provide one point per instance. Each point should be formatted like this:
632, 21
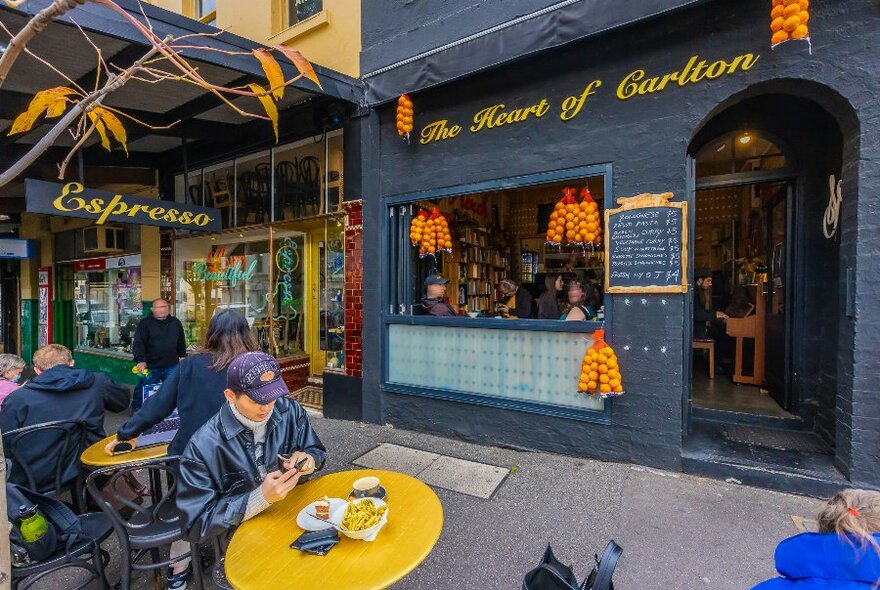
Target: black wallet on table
316, 542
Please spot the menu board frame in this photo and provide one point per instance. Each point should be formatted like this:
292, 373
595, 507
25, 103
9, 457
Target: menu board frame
647, 201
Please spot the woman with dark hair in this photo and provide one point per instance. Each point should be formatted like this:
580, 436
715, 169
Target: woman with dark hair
548, 306
195, 390
581, 302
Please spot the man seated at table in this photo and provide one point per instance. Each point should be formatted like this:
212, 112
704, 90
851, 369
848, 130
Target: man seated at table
433, 302
59, 392
229, 470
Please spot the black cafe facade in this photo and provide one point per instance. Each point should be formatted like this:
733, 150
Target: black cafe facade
773, 151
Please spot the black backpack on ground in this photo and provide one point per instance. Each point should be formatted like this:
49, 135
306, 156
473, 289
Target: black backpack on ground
64, 527
552, 574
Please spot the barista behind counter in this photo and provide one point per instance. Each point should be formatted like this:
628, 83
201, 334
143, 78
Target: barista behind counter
516, 301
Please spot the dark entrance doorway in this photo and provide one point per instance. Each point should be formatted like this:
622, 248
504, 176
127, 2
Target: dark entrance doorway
771, 310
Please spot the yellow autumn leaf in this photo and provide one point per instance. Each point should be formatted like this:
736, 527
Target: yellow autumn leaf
268, 104
273, 72
99, 127
51, 101
302, 64
114, 125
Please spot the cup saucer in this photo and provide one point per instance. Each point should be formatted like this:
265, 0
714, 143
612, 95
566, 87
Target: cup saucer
380, 493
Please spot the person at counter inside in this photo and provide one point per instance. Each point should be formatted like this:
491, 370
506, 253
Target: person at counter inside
583, 307
708, 323
433, 302
548, 306
516, 300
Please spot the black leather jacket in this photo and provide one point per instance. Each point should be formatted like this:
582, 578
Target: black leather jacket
218, 472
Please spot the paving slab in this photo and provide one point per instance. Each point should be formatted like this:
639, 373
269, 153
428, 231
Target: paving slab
397, 458
466, 477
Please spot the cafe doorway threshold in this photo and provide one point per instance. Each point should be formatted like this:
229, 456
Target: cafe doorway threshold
780, 459
310, 397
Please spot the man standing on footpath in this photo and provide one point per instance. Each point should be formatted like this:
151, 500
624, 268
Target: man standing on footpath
158, 346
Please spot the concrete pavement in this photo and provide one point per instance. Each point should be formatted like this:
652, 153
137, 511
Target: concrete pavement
678, 532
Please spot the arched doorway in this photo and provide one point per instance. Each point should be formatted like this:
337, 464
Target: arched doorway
762, 168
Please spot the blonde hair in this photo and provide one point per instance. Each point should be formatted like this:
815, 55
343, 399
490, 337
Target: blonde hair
52, 355
855, 516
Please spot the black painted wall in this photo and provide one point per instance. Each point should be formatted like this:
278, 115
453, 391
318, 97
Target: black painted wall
646, 139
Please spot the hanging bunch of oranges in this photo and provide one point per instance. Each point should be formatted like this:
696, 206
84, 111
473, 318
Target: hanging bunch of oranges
575, 223
788, 20
430, 232
600, 371
404, 115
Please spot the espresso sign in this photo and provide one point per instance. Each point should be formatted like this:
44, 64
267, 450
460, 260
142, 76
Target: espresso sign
646, 245
75, 200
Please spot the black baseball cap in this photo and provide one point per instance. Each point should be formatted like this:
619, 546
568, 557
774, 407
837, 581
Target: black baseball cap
435, 280
258, 376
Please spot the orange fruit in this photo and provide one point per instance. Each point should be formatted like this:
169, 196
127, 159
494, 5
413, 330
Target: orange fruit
804, 4
569, 216
607, 351
554, 216
792, 23
589, 237
592, 207
777, 11
551, 225
569, 226
618, 389
583, 205
557, 238
613, 374
791, 10
603, 369
778, 3
593, 375
804, 16
779, 37
800, 32
614, 383
605, 388
602, 358
612, 363
591, 386
594, 366
777, 24
603, 378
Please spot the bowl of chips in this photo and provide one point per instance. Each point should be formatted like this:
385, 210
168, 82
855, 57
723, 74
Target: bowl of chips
361, 518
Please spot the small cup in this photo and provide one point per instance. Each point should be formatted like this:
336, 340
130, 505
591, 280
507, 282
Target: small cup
365, 487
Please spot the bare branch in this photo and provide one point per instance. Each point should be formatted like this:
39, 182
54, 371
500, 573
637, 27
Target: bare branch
30, 30
69, 80
62, 168
139, 122
97, 50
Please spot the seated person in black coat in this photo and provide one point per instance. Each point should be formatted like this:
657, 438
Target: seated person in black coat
433, 302
516, 301
708, 323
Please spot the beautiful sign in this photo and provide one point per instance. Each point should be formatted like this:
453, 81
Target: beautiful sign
637, 83
74, 200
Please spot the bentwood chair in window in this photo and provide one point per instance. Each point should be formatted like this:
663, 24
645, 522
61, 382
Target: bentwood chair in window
195, 194
150, 527
263, 172
220, 197
310, 181
251, 198
287, 187
42, 456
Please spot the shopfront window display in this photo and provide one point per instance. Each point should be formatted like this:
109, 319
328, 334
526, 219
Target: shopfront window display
108, 307
242, 272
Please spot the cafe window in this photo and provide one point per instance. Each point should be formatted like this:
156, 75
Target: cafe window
739, 152
244, 272
107, 303
491, 235
294, 181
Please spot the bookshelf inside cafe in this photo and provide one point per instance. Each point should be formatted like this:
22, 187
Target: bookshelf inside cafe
502, 235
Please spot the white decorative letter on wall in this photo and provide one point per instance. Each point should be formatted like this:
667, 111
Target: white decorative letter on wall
832, 211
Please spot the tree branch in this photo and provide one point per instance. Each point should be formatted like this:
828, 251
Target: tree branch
30, 30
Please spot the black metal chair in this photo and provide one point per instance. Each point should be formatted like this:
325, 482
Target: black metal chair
48, 448
150, 527
287, 187
84, 555
310, 182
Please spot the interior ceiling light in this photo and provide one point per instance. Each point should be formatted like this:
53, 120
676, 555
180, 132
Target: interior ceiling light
745, 139
720, 147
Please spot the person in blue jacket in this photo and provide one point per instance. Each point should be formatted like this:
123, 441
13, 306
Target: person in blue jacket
843, 555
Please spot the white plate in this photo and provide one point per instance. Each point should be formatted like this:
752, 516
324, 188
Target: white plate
311, 524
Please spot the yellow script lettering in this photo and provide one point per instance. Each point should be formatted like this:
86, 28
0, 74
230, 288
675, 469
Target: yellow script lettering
75, 202
571, 106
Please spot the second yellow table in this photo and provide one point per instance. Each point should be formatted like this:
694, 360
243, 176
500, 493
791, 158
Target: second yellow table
94, 456
259, 556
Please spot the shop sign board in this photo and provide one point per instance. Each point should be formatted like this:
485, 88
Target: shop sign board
44, 318
646, 245
75, 200
18, 248
108, 263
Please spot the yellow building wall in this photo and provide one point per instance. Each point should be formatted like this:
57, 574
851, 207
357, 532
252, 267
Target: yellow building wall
332, 38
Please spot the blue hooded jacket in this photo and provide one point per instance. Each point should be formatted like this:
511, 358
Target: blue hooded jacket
814, 561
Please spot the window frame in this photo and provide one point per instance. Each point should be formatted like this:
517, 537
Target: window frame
285, 14
389, 301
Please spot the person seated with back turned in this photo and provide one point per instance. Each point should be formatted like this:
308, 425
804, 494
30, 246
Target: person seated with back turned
516, 301
59, 392
548, 306
844, 554
582, 306
229, 471
433, 302
11, 367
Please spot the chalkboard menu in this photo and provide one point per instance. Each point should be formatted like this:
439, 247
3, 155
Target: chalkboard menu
646, 245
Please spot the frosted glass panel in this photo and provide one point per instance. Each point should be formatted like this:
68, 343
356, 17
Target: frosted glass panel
524, 365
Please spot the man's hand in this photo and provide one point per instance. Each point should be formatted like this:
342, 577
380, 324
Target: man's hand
721, 315
504, 308
307, 468
141, 367
108, 448
277, 485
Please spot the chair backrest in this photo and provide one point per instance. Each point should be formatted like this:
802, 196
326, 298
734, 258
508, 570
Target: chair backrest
113, 496
309, 170
286, 172
42, 453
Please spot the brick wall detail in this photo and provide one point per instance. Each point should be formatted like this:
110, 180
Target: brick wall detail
353, 281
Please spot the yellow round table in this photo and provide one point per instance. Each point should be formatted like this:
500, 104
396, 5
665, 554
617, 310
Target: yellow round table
94, 456
259, 555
